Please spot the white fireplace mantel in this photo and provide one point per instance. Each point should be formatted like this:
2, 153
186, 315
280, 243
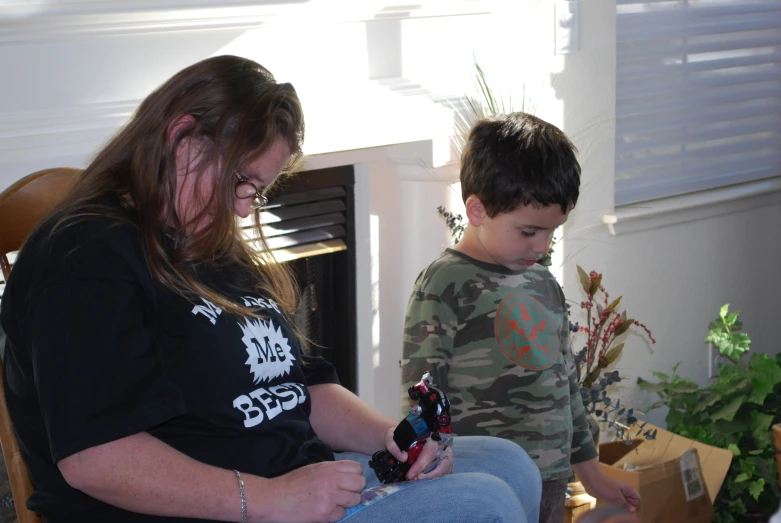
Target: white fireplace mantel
47, 20
79, 68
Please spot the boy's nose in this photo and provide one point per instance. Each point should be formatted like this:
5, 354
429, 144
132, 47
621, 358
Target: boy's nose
541, 247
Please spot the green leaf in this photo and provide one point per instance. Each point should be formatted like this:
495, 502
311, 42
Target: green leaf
715, 326
731, 319
755, 488
766, 375
615, 303
724, 310
759, 425
657, 405
735, 449
728, 431
707, 399
728, 411
613, 353
742, 477
736, 506
731, 384
746, 467
761, 362
647, 385
722, 333
595, 283
717, 336
624, 326
583, 279
696, 433
732, 377
733, 345
740, 341
661, 376
685, 386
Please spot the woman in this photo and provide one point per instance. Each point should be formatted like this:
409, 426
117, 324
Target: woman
151, 369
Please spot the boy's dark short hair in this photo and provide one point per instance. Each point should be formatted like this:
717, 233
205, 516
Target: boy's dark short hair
518, 159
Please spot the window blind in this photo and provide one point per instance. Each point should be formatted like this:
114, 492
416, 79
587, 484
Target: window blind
698, 95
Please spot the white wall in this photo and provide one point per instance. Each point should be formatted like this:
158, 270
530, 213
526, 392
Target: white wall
73, 71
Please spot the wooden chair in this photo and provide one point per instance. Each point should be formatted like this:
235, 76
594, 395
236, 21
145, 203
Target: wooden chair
22, 206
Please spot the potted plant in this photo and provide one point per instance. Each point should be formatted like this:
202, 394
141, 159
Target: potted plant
606, 325
735, 412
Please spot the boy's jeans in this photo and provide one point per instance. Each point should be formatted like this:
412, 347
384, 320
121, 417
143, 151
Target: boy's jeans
553, 499
493, 480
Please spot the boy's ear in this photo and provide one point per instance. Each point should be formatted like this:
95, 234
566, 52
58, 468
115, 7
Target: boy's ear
475, 212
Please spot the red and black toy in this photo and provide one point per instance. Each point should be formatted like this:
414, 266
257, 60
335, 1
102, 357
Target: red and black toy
430, 417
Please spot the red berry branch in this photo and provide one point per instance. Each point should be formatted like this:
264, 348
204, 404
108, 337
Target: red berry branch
604, 324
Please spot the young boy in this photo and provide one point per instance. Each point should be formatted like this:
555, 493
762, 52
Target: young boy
490, 322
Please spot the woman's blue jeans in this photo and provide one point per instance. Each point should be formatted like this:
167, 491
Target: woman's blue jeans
493, 480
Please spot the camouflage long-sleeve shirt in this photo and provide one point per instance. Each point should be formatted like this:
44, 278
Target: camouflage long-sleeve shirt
497, 342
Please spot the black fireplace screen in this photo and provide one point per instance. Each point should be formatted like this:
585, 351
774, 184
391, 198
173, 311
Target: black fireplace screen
309, 223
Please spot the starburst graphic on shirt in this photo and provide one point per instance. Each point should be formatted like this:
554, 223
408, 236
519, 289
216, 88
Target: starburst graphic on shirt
268, 350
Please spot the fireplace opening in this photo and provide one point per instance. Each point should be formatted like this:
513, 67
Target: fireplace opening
309, 223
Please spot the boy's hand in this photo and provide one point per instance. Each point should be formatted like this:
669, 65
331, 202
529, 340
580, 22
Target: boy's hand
615, 492
427, 456
600, 486
441, 465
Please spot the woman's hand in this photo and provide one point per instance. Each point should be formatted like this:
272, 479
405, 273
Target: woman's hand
315, 493
390, 445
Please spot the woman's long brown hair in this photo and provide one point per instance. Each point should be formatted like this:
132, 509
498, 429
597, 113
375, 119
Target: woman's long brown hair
238, 112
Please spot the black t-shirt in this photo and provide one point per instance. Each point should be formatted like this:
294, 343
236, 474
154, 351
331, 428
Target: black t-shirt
98, 350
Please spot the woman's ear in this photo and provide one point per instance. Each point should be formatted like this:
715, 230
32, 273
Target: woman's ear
175, 129
177, 126
475, 212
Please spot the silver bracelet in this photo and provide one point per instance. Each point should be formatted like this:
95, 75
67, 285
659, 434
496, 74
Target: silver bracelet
243, 497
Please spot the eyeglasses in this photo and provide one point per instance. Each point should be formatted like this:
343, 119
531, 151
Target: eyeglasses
246, 189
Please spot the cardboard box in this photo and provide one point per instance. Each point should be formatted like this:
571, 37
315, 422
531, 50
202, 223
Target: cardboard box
677, 478
577, 505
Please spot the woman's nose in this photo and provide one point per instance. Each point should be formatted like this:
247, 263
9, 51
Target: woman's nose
242, 207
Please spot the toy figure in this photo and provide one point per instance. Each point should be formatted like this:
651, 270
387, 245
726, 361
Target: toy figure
430, 417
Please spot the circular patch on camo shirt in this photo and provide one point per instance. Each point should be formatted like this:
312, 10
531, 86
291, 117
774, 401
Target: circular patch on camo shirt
526, 332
